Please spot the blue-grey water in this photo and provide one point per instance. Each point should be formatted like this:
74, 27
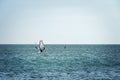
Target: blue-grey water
75, 62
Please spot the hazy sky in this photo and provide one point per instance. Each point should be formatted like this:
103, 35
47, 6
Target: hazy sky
60, 21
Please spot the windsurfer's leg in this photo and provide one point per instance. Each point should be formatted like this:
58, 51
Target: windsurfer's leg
41, 50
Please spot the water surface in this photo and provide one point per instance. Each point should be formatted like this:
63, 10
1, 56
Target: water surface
75, 62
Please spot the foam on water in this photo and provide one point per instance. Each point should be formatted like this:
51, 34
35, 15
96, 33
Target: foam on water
75, 62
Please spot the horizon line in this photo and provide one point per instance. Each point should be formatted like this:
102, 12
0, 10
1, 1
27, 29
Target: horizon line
62, 44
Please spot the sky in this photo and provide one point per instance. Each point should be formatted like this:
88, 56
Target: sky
60, 21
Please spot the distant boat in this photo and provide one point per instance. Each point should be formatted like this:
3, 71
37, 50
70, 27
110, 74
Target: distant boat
64, 46
41, 46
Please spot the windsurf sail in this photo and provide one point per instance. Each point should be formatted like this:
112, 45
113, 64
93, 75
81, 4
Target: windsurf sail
41, 46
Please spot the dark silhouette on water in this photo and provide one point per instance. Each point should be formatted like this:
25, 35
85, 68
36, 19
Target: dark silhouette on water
64, 46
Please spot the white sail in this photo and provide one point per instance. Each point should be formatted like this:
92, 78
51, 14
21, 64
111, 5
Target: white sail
41, 46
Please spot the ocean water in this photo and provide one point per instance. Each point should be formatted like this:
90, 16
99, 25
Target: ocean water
75, 62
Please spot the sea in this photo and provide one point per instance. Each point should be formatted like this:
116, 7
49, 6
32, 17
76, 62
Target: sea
60, 62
